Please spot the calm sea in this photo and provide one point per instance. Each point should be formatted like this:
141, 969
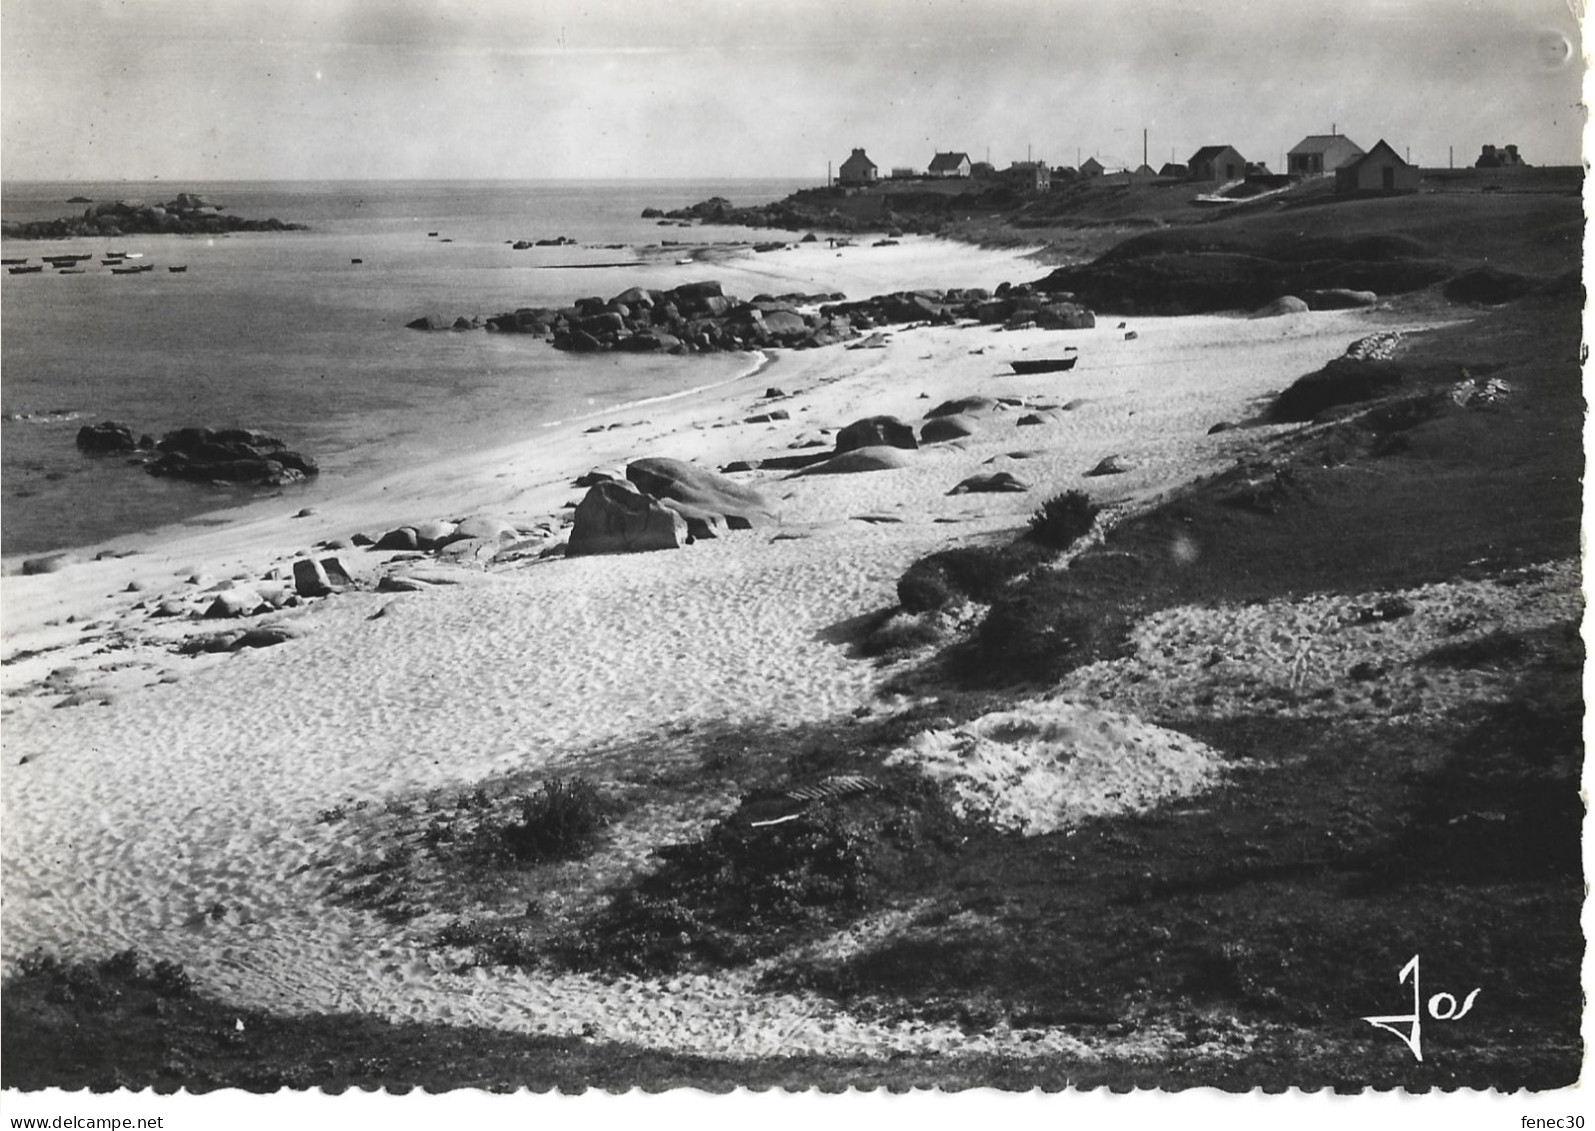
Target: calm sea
283, 333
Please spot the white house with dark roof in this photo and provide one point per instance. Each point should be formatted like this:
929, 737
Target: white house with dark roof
1381, 169
858, 170
1216, 163
1319, 155
949, 165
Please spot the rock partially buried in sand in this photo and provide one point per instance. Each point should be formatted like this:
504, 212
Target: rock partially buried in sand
488, 527
237, 603
996, 481
943, 428
861, 459
616, 518
964, 406
1111, 465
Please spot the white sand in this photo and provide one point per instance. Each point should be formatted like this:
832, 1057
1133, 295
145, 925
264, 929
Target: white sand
182, 782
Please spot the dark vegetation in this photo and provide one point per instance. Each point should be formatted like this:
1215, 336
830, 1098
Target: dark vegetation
1063, 520
561, 821
788, 865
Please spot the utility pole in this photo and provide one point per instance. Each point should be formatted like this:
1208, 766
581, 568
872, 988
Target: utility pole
1143, 146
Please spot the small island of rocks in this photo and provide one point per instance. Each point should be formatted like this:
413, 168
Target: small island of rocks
185, 214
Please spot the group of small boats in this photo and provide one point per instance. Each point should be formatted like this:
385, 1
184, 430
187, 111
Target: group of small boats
74, 264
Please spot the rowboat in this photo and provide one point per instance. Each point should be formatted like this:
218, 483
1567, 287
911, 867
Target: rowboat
178, 270
26, 270
1044, 365
127, 270
12, 262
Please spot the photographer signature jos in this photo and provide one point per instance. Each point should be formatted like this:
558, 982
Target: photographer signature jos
1441, 1006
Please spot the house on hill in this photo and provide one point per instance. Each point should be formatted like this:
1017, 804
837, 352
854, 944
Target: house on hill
1319, 155
1029, 176
1381, 169
949, 165
1492, 158
1216, 163
858, 170
1091, 167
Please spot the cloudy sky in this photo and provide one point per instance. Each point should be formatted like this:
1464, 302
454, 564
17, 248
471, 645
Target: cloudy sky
332, 89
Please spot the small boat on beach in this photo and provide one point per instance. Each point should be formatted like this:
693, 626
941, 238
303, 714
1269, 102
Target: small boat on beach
178, 270
1044, 365
34, 270
127, 270
12, 262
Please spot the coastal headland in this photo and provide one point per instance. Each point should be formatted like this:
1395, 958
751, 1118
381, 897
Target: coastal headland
1133, 722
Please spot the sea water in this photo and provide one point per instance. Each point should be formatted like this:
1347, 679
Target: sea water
282, 332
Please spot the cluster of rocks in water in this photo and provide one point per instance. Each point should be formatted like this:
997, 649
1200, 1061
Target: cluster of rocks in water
185, 214
700, 317
797, 213
203, 455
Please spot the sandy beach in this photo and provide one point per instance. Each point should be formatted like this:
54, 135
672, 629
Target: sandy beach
172, 802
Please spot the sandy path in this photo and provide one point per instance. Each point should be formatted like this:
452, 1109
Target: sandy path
181, 817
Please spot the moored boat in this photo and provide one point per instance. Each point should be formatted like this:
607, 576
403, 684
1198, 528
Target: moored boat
1044, 365
34, 270
12, 262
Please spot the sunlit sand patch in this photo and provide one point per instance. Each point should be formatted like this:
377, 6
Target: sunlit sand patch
1045, 766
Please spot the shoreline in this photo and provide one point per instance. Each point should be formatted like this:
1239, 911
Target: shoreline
224, 761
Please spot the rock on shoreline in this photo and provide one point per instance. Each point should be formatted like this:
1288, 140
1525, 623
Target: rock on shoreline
203, 455
700, 317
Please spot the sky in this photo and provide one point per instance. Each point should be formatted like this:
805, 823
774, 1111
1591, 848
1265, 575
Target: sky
466, 89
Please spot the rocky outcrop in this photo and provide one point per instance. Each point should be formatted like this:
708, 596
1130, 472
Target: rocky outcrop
232, 455
700, 317
187, 214
617, 518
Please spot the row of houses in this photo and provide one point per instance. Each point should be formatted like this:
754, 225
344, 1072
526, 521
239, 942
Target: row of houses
1034, 176
1380, 169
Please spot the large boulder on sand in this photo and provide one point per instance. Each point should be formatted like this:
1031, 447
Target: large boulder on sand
877, 458
876, 432
616, 518
697, 493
